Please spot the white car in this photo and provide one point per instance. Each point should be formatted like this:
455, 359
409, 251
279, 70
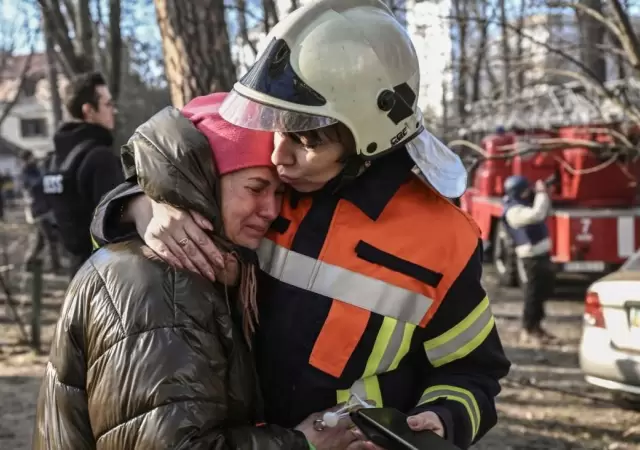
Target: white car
610, 346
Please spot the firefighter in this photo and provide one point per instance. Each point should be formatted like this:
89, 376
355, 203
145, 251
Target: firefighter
373, 277
525, 213
83, 167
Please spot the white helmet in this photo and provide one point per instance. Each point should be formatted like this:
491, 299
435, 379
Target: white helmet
346, 61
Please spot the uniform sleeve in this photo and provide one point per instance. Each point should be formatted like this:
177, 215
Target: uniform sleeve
99, 172
106, 226
520, 216
464, 359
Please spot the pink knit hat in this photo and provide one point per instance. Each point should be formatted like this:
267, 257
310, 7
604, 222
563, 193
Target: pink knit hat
233, 147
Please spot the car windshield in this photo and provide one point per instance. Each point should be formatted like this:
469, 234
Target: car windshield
633, 263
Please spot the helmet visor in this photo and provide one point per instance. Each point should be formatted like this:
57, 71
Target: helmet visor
246, 113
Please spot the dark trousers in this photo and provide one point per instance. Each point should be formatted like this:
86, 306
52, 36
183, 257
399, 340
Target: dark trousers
44, 234
538, 286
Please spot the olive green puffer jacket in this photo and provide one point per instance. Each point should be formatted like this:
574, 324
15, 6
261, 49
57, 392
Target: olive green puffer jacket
145, 356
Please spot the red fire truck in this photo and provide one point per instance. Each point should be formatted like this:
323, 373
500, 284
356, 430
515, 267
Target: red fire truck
595, 221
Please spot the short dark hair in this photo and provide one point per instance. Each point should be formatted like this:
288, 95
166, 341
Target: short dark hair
80, 90
337, 132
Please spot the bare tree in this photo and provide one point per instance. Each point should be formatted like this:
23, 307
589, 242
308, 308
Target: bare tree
483, 15
52, 73
592, 37
506, 50
243, 27
73, 33
461, 14
196, 49
14, 78
270, 14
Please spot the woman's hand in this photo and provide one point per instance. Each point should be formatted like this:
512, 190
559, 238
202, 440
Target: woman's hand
335, 438
179, 238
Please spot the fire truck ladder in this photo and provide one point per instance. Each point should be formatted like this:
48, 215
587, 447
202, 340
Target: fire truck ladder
545, 107
548, 106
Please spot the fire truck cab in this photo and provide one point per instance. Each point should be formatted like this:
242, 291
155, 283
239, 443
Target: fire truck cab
594, 224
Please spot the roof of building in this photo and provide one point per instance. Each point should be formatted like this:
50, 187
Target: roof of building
9, 148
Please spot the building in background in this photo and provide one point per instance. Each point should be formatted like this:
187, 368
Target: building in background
29, 123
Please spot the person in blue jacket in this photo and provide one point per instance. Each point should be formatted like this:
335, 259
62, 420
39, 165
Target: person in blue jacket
525, 212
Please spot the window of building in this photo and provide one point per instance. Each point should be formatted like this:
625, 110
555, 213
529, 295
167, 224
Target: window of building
33, 128
29, 87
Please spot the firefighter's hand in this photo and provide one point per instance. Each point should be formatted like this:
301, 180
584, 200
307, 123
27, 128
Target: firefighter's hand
427, 420
420, 422
335, 438
541, 186
179, 238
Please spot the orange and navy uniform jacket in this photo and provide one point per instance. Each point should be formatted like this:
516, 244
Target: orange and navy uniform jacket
373, 289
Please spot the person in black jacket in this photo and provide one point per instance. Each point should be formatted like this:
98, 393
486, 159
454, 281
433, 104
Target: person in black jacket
38, 213
84, 166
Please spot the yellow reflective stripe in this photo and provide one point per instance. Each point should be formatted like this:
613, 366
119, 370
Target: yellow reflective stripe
343, 396
339, 283
391, 345
463, 338
409, 328
379, 347
94, 243
367, 389
456, 394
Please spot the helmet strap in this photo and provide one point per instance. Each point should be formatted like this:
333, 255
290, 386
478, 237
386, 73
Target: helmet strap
354, 166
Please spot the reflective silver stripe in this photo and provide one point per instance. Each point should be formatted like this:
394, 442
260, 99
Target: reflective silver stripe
359, 389
459, 395
391, 352
528, 250
391, 345
336, 282
368, 389
463, 338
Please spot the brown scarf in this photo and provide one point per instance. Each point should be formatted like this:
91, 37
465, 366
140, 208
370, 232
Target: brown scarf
247, 297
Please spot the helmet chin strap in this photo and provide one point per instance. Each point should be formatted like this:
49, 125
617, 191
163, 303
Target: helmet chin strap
354, 166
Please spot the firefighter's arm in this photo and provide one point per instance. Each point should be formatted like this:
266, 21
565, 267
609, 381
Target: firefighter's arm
464, 359
520, 216
106, 225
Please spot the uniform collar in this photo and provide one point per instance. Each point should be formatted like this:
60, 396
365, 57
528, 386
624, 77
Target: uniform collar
373, 190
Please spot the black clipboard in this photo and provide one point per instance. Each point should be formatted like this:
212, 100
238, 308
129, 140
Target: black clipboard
388, 428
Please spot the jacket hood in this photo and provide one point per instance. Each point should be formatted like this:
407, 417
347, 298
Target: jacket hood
71, 134
173, 164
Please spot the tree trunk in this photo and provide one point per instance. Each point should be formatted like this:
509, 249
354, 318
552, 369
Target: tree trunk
269, 15
52, 75
84, 37
506, 51
115, 47
481, 11
196, 49
461, 12
520, 57
243, 27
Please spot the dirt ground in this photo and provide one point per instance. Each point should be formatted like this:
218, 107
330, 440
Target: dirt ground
533, 415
